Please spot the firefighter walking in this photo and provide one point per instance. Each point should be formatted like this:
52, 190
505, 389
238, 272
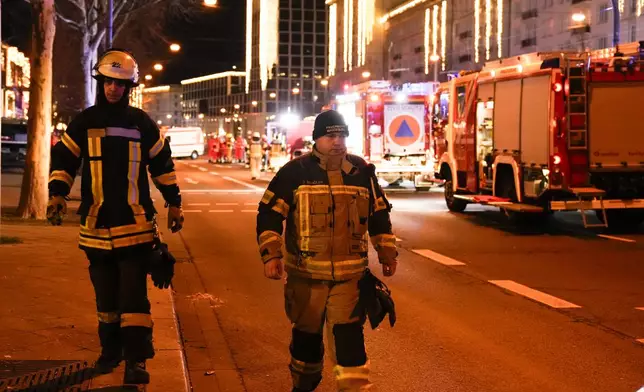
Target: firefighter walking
117, 145
330, 200
256, 152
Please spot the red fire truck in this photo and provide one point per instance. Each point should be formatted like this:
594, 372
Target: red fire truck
391, 129
546, 132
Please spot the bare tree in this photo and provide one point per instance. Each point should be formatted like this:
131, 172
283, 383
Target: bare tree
34, 194
89, 18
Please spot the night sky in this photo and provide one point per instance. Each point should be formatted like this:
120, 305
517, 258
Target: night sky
212, 40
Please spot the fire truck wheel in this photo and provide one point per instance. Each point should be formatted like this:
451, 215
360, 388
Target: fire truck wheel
453, 204
194, 155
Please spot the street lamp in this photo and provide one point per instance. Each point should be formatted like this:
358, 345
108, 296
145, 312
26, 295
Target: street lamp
296, 90
272, 95
158, 67
223, 110
578, 17
366, 74
434, 59
324, 83
175, 48
210, 3
254, 103
201, 116
148, 77
236, 106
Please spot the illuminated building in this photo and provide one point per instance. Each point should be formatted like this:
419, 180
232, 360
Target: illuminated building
16, 73
286, 58
163, 104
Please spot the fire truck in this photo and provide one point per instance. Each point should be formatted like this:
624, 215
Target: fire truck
546, 132
390, 129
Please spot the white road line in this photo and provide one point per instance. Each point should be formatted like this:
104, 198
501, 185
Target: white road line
203, 169
536, 295
398, 239
610, 237
248, 210
251, 186
221, 211
639, 308
191, 181
226, 204
251, 204
185, 211
214, 173
198, 204
193, 165
239, 191
437, 257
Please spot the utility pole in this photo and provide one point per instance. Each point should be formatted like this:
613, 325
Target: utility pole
110, 22
616, 16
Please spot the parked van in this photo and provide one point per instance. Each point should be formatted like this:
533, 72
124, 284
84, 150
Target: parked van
185, 141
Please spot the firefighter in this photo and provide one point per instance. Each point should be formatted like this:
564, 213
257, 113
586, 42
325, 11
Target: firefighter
256, 153
118, 144
330, 200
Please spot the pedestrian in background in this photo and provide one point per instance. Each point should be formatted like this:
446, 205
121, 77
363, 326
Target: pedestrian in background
330, 201
256, 156
118, 145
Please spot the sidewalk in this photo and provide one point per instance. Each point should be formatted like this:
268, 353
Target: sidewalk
49, 314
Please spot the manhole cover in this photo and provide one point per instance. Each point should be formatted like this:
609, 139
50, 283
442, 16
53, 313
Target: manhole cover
70, 377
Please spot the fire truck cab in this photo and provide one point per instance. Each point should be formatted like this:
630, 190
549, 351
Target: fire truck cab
546, 132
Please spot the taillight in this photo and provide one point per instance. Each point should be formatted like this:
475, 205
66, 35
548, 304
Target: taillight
557, 87
556, 159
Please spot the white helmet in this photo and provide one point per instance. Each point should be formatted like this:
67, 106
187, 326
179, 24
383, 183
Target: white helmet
256, 135
117, 64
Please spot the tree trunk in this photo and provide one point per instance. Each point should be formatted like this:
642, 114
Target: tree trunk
34, 193
88, 60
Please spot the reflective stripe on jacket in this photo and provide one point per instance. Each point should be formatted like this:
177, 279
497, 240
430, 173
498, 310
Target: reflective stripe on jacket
328, 214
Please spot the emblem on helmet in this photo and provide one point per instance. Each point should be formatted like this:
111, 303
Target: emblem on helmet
116, 65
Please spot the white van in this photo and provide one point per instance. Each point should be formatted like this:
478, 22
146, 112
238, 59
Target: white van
185, 142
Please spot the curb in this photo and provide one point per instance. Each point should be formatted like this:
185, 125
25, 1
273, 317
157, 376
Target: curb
208, 360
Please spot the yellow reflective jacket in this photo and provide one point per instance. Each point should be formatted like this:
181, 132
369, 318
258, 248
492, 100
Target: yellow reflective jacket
329, 215
117, 147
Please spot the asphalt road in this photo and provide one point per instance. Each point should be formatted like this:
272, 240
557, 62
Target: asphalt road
482, 305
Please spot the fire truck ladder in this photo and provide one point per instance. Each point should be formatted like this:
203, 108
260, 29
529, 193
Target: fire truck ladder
577, 120
587, 197
577, 115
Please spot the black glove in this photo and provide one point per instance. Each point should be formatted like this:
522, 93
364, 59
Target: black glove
56, 209
162, 266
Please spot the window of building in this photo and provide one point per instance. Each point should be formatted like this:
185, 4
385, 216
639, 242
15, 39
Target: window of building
604, 11
633, 33
602, 42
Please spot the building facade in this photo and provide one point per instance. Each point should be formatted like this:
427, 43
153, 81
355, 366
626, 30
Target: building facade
286, 59
420, 40
16, 73
163, 104
217, 103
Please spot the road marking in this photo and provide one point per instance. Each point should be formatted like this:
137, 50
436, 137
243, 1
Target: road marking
237, 191
198, 204
251, 204
193, 165
248, 210
221, 211
641, 341
242, 183
639, 308
214, 173
398, 239
203, 169
185, 211
437, 257
226, 204
536, 295
610, 237
191, 181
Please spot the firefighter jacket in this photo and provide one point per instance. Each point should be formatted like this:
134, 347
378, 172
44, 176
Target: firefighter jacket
116, 146
328, 214
256, 150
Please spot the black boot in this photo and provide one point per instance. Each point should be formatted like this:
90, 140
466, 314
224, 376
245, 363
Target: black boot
106, 363
135, 373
